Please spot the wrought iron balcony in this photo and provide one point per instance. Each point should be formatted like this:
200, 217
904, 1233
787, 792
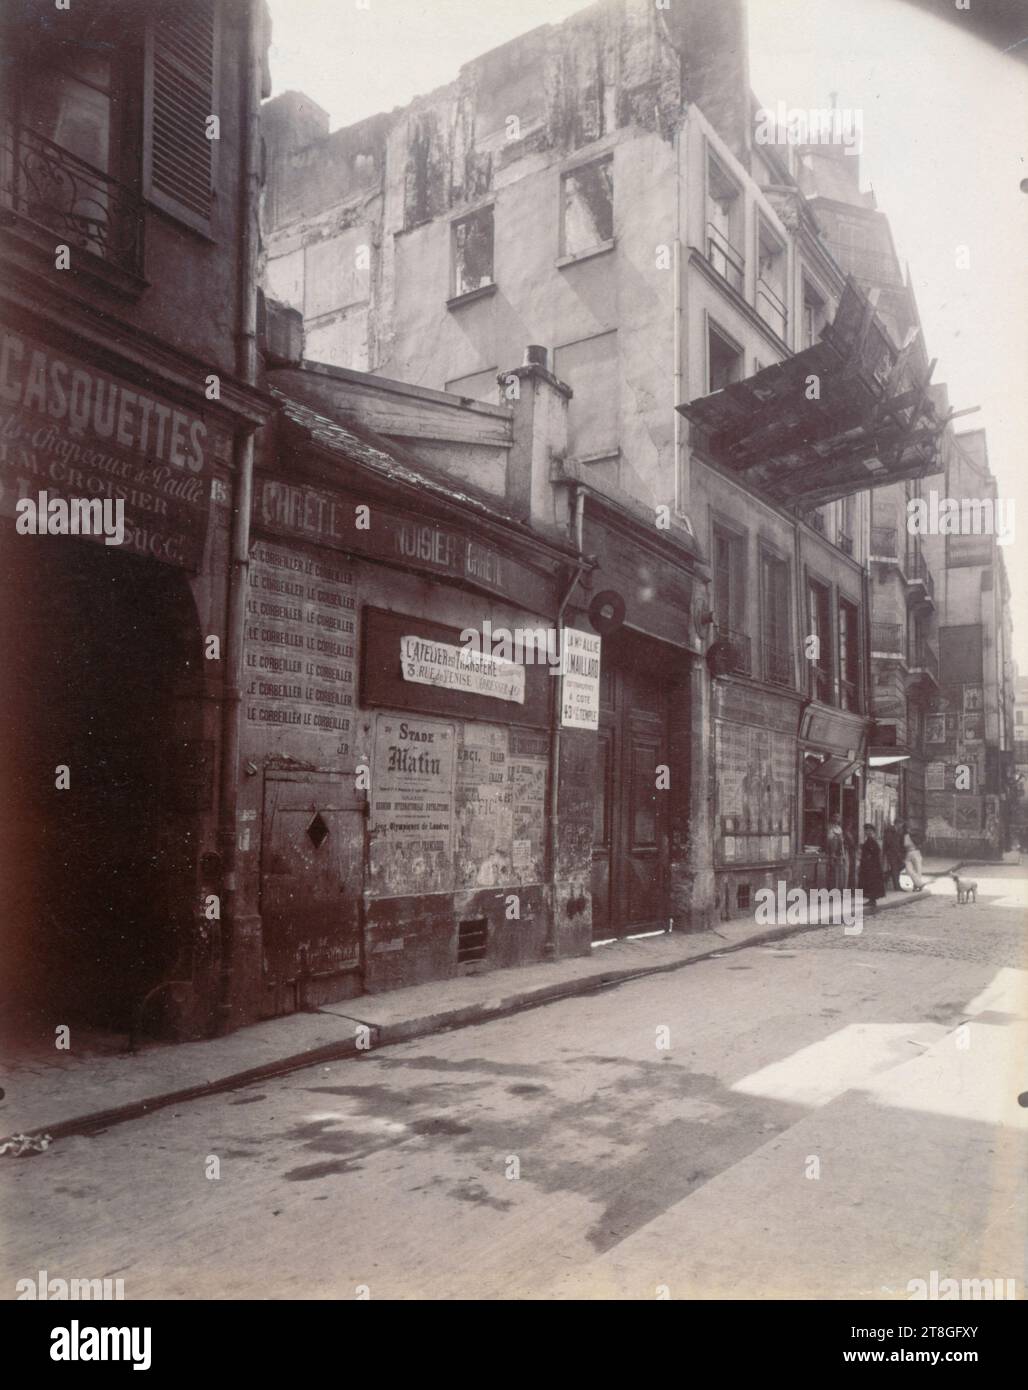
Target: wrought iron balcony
725, 259
54, 189
771, 307
924, 661
820, 685
887, 639
918, 573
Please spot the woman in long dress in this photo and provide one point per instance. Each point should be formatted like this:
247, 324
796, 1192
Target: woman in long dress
871, 880
912, 861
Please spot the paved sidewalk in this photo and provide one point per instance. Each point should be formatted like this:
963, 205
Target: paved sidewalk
95, 1086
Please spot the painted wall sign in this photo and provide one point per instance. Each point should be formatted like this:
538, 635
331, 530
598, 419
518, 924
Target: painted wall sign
393, 535
76, 432
457, 668
580, 654
300, 665
412, 812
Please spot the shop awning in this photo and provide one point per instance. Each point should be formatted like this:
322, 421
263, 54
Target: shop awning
830, 768
873, 419
890, 761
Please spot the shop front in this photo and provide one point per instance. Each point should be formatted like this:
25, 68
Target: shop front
635, 810
398, 715
108, 490
832, 773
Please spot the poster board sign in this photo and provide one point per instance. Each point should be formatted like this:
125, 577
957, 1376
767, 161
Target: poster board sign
412, 806
426, 662
580, 654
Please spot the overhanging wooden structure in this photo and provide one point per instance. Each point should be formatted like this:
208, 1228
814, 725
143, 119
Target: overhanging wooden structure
872, 420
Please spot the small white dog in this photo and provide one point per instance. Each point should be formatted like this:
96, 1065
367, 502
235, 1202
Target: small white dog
967, 891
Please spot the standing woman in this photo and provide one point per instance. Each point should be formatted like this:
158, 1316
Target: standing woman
912, 862
892, 845
871, 881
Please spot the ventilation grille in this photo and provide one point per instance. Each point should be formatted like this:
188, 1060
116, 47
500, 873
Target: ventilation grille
472, 940
183, 98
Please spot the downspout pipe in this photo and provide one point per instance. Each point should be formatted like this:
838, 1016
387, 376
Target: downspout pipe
239, 565
581, 565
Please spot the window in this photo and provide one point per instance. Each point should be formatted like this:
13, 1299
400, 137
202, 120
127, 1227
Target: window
729, 553
775, 604
1019, 716
820, 685
724, 360
725, 219
473, 252
587, 208
771, 279
66, 167
815, 314
849, 655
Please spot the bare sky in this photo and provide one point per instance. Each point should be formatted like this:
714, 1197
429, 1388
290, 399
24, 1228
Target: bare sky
944, 123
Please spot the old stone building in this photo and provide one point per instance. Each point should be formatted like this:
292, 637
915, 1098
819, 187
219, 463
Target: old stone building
127, 367
596, 188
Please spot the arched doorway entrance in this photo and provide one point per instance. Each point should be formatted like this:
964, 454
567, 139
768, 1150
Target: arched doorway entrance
102, 654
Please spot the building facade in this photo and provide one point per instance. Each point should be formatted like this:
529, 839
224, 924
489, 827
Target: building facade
128, 243
595, 188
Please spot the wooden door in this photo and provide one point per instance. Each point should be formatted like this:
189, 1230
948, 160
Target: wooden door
630, 813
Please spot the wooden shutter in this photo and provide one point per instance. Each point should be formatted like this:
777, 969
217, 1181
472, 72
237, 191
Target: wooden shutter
181, 92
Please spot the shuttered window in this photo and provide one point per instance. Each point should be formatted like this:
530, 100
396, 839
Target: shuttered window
181, 93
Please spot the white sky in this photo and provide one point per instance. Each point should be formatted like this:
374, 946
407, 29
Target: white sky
944, 123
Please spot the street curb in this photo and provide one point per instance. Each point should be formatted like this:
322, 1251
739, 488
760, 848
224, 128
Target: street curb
384, 1035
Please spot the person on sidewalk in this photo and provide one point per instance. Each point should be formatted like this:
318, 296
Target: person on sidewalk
836, 848
912, 861
892, 847
871, 881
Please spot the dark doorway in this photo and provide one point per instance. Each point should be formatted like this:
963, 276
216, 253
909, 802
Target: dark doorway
631, 869
102, 655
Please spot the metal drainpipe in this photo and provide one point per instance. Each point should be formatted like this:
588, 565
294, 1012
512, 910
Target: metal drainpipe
551, 943
246, 370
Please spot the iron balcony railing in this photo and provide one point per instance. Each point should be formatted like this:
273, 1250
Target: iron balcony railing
53, 188
771, 307
739, 662
918, 572
887, 638
883, 543
820, 685
725, 259
777, 664
923, 657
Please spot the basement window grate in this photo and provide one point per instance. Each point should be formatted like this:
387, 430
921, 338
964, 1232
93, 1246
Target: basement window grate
472, 940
